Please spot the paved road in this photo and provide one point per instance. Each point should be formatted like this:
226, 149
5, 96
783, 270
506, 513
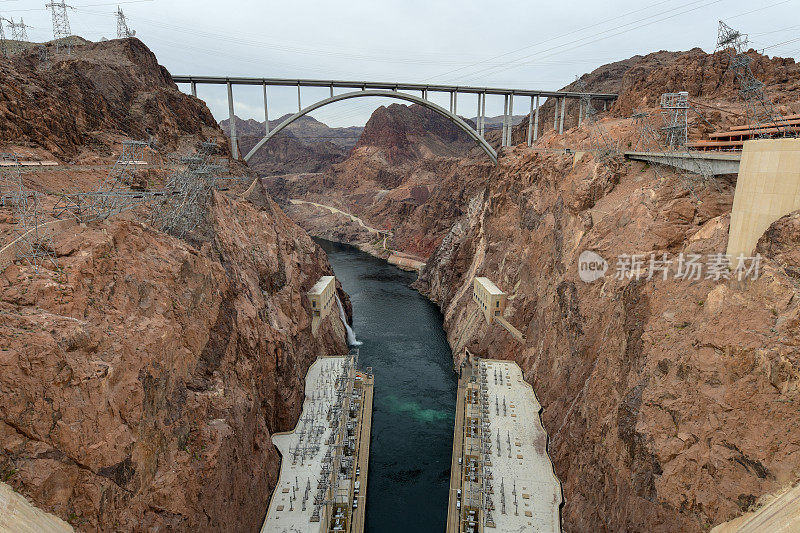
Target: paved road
456, 481
295, 201
359, 516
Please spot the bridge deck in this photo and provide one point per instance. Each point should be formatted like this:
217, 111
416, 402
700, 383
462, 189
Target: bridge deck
391, 86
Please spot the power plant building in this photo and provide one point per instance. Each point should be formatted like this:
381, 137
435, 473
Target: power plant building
489, 298
322, 297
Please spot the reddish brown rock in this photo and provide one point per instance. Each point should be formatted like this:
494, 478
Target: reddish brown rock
670, 405
142, 383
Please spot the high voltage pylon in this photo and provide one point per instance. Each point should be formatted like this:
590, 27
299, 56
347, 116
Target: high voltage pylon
33, 244
61, 29
3, 44
760, 111
675, 112
123, 31
601, 143
19, 35
19, 30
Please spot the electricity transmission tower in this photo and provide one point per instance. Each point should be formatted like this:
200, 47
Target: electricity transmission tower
3, 51
123, 31
675, 112
19, 35
61, 29
33, 245
761, 114
602, 144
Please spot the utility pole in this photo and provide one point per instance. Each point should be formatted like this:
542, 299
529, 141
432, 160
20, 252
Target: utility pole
123, 31
61, 29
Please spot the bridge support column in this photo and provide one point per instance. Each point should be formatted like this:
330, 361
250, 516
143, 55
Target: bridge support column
580, 113
536, 121
483, 115
232, 117
194, 89
455, 103
424, 94
555, 116
451, 102
605, 105
530, 124
266, 110
561, 119
299, 104
505, 121
478, 116
509, 141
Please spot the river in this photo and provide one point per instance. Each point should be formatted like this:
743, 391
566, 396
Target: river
415, 393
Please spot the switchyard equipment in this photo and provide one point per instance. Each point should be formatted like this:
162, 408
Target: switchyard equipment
33, 245
326, 457
518, 474
602, 145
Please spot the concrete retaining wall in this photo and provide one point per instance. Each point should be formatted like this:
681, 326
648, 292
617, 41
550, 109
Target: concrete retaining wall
767, 189
20, 516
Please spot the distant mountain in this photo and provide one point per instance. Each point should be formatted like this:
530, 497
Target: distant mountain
306, 145
494, 123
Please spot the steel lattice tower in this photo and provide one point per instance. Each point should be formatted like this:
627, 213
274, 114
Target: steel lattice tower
19, 35
32, 244
759, 108
602, 143
675, 112
123, 31
61, 29
19, 30
3, 51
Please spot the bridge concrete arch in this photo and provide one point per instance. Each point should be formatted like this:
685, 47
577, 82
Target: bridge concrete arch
452, 117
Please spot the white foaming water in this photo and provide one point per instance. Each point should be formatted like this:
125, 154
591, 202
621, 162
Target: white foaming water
351, 336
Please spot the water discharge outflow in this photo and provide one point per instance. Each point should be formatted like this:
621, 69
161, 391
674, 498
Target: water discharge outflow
351, 336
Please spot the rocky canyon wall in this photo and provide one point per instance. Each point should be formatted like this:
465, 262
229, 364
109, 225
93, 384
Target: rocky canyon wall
141, 379
670, 404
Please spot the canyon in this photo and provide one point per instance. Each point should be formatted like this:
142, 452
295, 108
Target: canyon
143, 377
670, 404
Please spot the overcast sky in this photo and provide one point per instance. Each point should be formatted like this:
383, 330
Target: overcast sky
516, 43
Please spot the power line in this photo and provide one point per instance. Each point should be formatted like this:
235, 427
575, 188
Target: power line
532, 58
551, 39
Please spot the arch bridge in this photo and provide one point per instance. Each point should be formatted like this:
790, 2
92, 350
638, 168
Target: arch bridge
402, 91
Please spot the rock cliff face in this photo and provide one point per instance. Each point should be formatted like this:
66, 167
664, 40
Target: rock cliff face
142, 379
641, 80
141, 384
670, 404
71, 103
